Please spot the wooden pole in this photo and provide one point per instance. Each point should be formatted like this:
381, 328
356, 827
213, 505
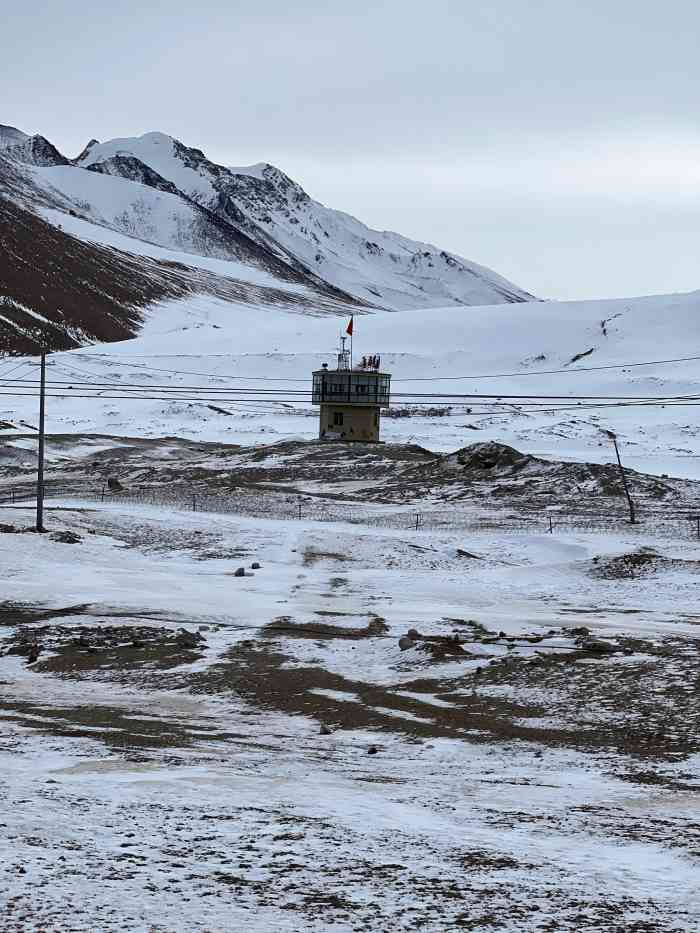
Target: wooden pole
40, 467
633, 520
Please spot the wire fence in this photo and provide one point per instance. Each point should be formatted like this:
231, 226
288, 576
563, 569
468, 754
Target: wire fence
257, 502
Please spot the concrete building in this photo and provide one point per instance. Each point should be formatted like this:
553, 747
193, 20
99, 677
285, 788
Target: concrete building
351, 398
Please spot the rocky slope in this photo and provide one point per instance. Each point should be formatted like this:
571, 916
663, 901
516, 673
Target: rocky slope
380, 267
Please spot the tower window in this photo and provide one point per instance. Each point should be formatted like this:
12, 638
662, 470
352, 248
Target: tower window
337, 418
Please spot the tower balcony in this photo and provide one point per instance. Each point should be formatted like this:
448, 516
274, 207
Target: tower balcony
357, 387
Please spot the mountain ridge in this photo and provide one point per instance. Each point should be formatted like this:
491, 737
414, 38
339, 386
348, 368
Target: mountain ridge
250, 224
377, 266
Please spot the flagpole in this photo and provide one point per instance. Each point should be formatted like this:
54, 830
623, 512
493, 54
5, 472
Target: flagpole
349, 333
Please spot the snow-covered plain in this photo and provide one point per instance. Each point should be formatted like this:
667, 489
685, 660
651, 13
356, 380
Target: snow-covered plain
194, 792
256, 363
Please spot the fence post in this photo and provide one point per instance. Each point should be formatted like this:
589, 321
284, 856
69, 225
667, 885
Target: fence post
194, 503
300, 510
103, 492
551, 527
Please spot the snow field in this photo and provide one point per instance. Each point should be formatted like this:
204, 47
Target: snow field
261, 821
211, 344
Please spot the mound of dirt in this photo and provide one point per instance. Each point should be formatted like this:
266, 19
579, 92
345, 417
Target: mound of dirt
489, 457
502, 472
642, 562
493, 457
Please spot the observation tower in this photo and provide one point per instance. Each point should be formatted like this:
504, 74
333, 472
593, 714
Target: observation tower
351, 397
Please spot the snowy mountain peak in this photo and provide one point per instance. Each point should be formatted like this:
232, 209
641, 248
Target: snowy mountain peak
275, 178
148, 148
83, 154
34, 150
11, 136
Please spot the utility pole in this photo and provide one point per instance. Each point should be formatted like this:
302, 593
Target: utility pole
613, 438
40, 468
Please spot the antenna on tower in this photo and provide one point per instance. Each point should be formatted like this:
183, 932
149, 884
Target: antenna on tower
343, 354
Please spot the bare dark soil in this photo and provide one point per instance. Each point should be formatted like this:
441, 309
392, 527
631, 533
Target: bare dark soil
281, 479
85, 292
522, 480
118, 729
645, 710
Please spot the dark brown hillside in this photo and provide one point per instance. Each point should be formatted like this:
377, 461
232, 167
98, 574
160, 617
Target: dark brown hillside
58, 292
82, 292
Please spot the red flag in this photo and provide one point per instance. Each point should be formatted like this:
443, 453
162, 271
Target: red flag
348, 329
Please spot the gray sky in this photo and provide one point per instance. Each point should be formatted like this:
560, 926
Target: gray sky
557, 142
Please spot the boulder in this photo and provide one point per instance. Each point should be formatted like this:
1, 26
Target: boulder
187, 639
405, 643
255, 566
597, 646
240, 572
65, 537
34, 652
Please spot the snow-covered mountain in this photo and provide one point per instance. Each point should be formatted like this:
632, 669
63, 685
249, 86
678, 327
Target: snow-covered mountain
33, 150
153, 196
87, 251
379, 267
11, 136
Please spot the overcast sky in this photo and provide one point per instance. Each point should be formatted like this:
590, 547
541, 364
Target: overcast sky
556, 141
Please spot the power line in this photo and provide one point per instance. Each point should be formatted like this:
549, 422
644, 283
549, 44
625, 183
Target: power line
137, 387
15, 368
525, 407
185, 372
540, 372
553, 372
77, 389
